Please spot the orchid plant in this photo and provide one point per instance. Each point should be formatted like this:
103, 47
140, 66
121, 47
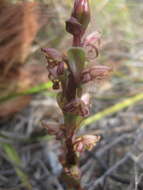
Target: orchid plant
69, 72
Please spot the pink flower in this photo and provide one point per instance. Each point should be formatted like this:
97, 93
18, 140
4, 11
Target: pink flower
97, 73
92, 44
86, 142
55, 65
77, 107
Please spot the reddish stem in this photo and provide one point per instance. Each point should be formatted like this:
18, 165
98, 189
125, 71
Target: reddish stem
77, 41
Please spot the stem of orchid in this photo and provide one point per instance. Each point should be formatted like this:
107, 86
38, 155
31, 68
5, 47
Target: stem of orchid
76, 41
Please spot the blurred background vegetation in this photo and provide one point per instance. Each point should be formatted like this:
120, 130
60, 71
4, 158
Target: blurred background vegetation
28, 155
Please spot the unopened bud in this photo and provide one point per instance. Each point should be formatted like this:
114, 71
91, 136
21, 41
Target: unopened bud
74, 27
79, 19
81, 12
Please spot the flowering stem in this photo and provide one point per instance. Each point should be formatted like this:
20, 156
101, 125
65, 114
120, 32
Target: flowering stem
76, 41
68, 73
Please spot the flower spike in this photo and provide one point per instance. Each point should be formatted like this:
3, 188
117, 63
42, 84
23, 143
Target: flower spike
69, 72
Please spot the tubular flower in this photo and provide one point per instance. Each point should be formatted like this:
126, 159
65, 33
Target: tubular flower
98, 72
77, 107
86, 142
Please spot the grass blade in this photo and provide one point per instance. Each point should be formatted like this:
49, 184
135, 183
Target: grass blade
113, 109
30, 91
14, 158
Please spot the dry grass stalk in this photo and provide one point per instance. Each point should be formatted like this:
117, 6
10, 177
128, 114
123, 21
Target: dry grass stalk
19, 24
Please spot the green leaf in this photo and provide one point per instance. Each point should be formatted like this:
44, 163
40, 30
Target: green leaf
113, 109
76, 61
32, 90
14, 158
